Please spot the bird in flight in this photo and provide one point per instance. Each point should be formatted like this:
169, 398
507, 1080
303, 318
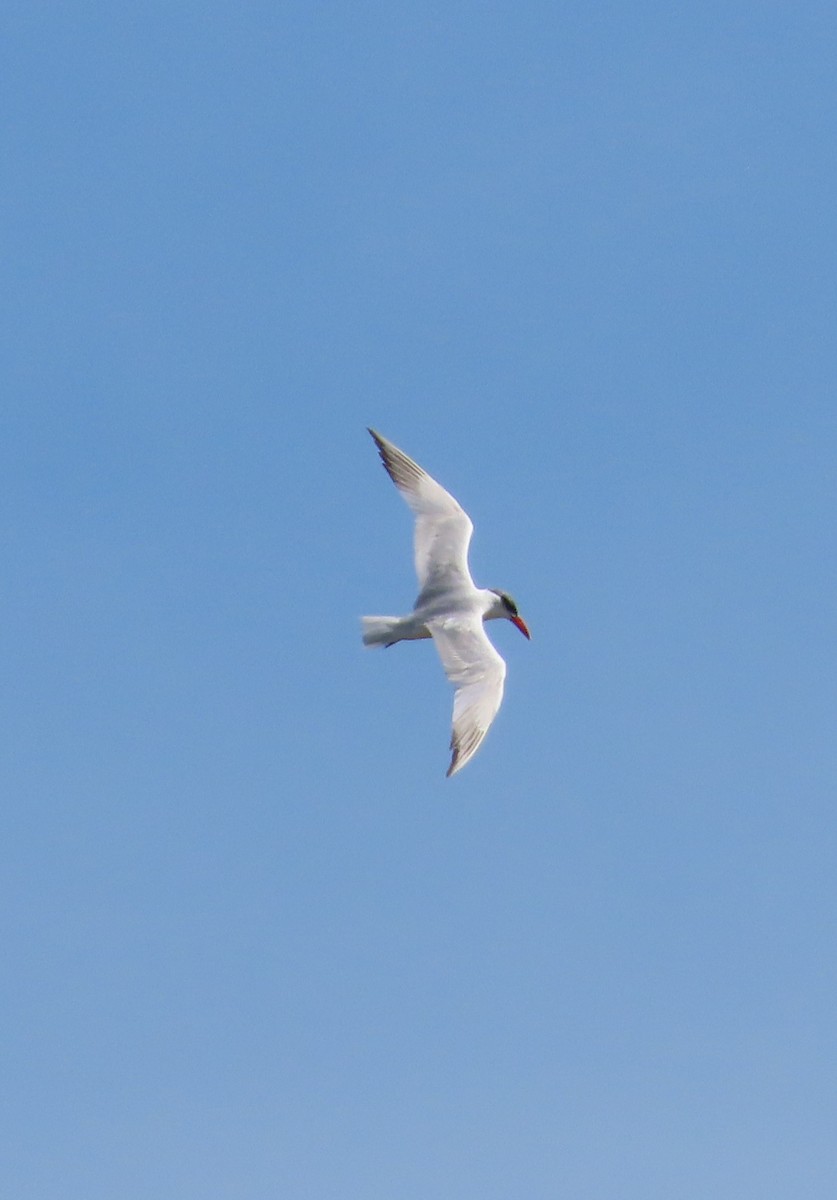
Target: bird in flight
450, 607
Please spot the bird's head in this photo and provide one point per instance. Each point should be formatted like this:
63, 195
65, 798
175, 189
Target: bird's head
506, 607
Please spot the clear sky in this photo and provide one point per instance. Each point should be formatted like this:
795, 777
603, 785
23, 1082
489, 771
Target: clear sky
579, 262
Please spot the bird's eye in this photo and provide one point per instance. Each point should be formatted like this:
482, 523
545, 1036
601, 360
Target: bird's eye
510, 605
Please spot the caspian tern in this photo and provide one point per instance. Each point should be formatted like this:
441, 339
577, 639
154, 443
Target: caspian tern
450, 608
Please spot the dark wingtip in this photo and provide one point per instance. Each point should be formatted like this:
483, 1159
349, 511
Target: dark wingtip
380, 442
454, 757
401, 469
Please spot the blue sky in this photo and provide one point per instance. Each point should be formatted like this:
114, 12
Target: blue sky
580, 264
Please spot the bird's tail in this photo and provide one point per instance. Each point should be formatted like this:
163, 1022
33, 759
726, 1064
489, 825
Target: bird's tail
380, 631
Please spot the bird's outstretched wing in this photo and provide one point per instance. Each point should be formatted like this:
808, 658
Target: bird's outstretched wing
477, 672
443, 528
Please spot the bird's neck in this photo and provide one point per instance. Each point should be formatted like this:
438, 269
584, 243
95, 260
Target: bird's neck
492, 605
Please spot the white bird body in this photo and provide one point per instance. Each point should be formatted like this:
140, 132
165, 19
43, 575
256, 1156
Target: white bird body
386, 631
450, 608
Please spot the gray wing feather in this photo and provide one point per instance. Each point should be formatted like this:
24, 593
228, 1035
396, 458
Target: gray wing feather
478, 673
443, 528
